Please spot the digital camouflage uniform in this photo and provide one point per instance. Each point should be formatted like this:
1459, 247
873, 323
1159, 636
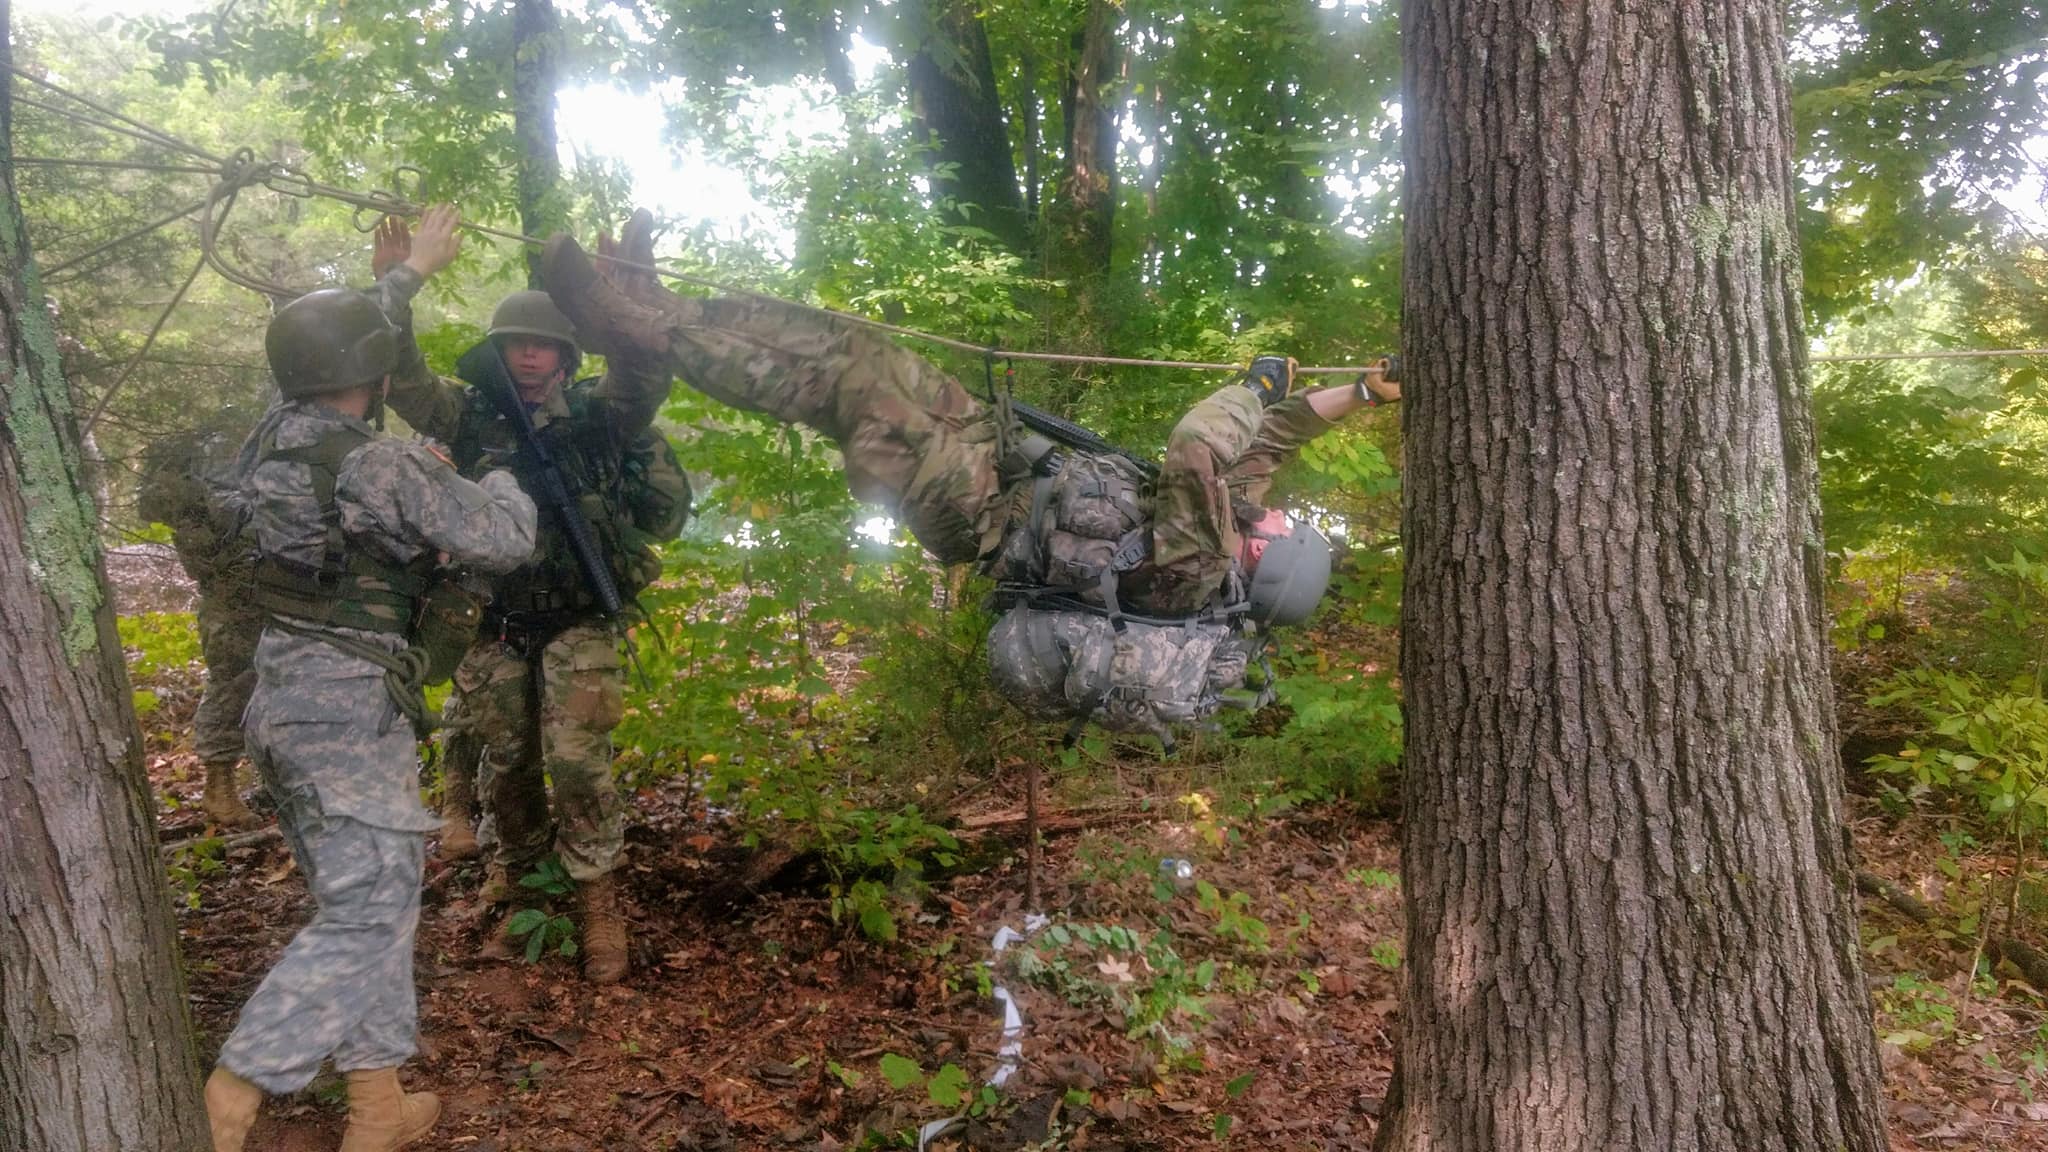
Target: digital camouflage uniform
333, 749
179, 485
914, 440
541, 691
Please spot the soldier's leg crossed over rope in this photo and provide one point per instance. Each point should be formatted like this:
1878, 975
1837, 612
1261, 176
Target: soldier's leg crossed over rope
913, 439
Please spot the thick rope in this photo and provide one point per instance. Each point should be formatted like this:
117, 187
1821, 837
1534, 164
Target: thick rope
244, 170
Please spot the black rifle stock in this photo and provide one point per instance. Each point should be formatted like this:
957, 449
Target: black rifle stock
484, 367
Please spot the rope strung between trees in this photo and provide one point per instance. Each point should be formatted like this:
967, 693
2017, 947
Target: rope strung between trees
244, 170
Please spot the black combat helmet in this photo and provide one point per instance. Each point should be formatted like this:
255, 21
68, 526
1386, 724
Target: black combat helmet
534, 313
329, 341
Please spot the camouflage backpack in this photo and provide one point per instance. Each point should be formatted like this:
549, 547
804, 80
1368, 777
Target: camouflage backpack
1088, 525
1144, 677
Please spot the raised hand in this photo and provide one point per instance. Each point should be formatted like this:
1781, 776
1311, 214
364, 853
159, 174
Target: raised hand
393, 244
437, 242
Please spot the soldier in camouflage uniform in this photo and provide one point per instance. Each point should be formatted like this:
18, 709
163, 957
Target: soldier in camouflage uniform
543, 688
350, 527
914, 440
177, 489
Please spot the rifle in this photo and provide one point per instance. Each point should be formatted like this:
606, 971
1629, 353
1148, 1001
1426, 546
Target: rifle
484, 367
1074, 436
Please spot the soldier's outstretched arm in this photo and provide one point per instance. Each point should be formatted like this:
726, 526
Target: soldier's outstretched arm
1299, 419
411, 500
402, 264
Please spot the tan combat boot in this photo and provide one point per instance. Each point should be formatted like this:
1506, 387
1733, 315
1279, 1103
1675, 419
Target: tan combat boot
604, 932
496, 888
222, 803
607, 319
458, 835
381, 1117
231, 1104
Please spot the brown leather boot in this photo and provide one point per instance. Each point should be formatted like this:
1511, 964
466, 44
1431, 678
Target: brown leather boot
222, 803
607, 320
381, 1116
604, 932
458, 799
231, 1104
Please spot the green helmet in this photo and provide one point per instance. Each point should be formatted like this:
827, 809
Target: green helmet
329, 341
534, 313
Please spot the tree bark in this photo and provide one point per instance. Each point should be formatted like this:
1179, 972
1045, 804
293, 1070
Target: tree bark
954, 98
1631, 917
96, 1049
536, 66
1082, 221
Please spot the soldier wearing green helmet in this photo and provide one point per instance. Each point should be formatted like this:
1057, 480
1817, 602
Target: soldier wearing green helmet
538, 695
350, 527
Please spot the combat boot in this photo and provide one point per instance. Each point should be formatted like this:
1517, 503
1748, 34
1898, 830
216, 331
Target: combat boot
382, 1117
604, 932
496, 888
231, 1104
222, 803
458, 834
607, 319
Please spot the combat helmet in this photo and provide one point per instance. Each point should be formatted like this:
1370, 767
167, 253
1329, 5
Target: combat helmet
1288, 562
329, 341
533, 313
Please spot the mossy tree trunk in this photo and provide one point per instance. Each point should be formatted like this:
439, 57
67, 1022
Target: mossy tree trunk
95, 1046
1631, 917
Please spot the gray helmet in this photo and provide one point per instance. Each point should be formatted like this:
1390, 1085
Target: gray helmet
534, 313
1290, 569
329, 341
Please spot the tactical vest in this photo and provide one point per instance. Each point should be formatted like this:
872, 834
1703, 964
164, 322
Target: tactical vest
633, 494
350, 588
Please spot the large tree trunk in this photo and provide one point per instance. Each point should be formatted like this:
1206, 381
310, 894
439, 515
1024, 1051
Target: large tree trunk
1631, 919
953, 95
536, 65
95, 1047
1082, 221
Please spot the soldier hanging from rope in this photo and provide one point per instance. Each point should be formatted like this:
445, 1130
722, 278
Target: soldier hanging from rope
1128, 598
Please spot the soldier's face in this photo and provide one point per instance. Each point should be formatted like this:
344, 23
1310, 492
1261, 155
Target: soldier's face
535, 364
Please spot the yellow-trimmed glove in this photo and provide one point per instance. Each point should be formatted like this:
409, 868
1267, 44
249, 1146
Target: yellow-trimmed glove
1270, 378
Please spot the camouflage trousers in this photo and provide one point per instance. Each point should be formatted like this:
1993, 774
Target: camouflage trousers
538, 722
912, 438
229, 625
343, 989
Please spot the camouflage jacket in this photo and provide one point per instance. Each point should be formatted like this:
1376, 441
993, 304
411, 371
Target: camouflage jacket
181, 486
622, 470
399, 501
1172, 543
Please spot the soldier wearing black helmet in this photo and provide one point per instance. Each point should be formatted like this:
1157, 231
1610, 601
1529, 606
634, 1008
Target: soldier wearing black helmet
540, 692
350, 527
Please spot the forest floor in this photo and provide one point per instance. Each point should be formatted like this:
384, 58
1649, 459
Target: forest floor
1252, 1005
